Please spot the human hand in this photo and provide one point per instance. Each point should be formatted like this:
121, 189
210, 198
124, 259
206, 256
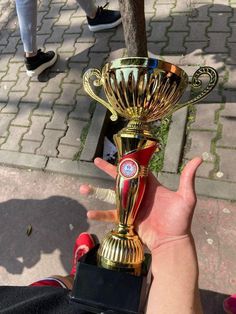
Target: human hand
164, 215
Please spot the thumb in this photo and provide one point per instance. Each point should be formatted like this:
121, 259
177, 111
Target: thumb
186, 183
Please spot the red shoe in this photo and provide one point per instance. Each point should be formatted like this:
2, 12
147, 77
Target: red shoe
83, 244
230, 304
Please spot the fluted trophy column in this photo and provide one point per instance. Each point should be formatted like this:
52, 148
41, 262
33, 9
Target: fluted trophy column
122, 249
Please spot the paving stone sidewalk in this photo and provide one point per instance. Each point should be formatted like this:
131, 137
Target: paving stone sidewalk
49, 123
196, 33
46, 124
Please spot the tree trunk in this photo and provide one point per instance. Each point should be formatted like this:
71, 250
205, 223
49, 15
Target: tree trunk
133, 17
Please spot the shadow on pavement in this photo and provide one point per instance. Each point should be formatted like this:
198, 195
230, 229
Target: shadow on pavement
55, 221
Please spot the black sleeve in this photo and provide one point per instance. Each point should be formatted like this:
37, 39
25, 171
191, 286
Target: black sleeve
36, 300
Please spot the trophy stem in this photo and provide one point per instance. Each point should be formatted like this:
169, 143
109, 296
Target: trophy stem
137, 128
122, 249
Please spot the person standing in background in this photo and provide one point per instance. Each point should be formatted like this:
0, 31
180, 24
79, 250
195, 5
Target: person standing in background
36, 61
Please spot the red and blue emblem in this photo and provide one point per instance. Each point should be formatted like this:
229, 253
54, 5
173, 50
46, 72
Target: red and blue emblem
128, 168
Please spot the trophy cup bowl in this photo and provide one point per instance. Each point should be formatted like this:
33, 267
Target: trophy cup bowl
141, 90
145, 89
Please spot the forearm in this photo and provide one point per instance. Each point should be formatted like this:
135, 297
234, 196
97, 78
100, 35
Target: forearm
175, 279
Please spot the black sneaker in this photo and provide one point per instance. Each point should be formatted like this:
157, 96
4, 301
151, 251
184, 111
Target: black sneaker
104, 19
37, 64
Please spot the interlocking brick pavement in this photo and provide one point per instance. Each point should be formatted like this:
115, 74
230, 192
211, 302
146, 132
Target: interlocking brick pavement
46, 123
51, 116
204, 36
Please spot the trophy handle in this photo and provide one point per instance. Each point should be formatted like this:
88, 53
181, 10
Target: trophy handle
97, 82
196, 83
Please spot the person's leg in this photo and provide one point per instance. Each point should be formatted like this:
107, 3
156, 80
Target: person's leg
83, 244
99, 18
36, 61
89, 7
27, 17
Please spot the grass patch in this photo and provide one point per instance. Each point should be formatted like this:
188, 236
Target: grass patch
161, 133
191, 117
83, 136
85, 131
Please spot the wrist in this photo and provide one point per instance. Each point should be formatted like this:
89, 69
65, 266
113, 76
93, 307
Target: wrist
166, 241
174, 287
173, 249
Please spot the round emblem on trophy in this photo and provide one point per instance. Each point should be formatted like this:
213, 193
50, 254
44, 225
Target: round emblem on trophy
128, 168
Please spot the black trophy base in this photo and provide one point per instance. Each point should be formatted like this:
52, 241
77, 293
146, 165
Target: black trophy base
99, 290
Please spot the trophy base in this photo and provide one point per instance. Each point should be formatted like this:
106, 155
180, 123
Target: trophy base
100, 290
121, 250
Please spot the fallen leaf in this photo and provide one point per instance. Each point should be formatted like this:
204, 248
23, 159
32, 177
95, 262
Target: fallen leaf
29, 230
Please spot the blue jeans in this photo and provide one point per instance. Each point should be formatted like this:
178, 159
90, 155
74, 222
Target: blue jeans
27, 17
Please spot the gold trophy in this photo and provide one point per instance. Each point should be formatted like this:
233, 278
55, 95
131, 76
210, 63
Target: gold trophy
141, 90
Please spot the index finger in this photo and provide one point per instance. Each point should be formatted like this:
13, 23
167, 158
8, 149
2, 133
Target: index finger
106, 167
